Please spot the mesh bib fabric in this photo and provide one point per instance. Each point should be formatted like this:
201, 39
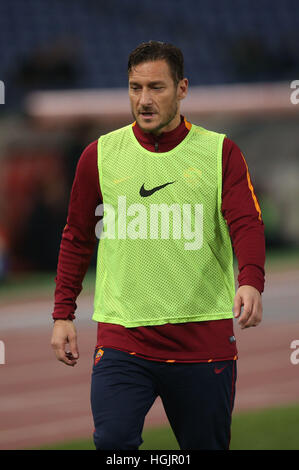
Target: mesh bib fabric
165, 255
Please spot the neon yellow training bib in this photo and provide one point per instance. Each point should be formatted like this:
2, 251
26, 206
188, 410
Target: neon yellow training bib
165, 254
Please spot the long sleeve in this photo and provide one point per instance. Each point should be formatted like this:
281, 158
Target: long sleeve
78, 237
242, 213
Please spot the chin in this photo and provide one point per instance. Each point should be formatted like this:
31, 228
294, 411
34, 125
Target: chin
148, 127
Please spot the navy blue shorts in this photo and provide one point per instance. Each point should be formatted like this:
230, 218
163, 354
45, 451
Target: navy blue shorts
198, 399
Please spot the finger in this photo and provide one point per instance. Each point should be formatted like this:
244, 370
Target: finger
74, 347
62, 355
237, 305
255, 317
58, 348
247, 311
250, 322
68, 359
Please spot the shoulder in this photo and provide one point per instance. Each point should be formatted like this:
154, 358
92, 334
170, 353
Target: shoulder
90, 150
88, 159
230, 150
202, 131
232, 156
229, 146
116, 133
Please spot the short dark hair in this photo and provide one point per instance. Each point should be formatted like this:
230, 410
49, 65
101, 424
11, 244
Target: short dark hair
157, 50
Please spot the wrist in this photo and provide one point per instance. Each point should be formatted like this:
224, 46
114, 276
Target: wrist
62, 319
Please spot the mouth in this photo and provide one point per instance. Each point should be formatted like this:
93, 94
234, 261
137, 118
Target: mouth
147, 115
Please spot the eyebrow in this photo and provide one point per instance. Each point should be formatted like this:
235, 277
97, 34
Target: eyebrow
157, 82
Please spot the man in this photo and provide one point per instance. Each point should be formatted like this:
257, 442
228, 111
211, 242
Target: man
176, 198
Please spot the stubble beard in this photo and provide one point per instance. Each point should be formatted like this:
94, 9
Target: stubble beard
170, 117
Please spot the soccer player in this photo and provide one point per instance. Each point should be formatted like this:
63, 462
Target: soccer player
167, 202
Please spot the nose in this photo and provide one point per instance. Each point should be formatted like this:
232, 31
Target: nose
145, 98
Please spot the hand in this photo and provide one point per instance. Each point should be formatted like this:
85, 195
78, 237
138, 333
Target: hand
64, 332
251, 300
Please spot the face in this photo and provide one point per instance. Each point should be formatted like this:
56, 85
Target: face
154, 97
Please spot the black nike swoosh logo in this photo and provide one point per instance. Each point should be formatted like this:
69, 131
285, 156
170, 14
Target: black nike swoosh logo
148, 192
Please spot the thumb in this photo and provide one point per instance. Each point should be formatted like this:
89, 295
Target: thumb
237, 305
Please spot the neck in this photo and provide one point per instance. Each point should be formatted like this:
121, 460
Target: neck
166, 140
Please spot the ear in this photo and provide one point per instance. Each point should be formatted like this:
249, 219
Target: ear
182, 88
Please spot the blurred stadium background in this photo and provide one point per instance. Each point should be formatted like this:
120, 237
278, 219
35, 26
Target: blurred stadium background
63, 64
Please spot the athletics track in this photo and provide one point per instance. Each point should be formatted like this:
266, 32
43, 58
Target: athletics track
42, 401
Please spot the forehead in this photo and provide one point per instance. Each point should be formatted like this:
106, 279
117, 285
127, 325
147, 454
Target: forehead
157, 70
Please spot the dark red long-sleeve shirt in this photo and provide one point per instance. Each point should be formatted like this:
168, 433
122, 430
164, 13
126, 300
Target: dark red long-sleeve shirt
188, 342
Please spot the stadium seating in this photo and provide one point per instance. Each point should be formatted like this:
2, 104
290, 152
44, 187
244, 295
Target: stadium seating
223, 42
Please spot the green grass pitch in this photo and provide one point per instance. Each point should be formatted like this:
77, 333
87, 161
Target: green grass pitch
270, 429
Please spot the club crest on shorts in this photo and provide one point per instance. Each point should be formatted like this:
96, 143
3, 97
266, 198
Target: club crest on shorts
98, 356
